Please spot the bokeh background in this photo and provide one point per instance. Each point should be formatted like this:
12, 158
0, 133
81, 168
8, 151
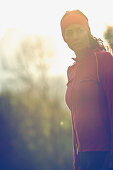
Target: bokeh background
35, 123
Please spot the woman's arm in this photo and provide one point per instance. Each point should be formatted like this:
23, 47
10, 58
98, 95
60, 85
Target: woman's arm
105, 61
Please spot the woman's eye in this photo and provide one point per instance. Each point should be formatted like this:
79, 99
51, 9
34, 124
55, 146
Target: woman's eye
79, 30
69, 33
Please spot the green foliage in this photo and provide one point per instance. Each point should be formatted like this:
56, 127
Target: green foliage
35, 125
108, 35
35, 132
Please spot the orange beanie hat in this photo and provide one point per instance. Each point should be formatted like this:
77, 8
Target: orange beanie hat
72, 17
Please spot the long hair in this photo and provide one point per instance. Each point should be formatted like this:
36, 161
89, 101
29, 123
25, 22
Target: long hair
96, 43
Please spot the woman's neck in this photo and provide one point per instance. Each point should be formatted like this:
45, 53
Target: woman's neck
81, 54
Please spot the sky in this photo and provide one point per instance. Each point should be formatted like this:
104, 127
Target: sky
43, 17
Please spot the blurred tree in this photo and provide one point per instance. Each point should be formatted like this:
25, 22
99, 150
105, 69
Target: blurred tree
31, 64
35, 133
108, 35
35, 124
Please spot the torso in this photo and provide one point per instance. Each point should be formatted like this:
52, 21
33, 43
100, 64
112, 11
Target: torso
86, 100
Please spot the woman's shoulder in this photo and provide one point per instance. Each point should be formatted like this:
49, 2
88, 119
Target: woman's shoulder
71, 67
105, 62
70, 70
104, 55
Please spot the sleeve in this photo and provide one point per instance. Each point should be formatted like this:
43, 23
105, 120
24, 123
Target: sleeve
75, 150
106, 78
68, 71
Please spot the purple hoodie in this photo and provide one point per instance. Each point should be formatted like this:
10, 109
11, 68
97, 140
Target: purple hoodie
89, 96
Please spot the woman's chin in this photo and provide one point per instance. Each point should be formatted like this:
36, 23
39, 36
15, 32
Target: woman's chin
77, 50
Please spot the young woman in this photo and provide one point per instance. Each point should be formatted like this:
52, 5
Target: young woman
89, 94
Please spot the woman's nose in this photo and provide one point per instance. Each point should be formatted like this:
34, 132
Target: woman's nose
75, 35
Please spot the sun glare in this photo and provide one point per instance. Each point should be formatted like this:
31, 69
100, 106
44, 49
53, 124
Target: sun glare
43, 18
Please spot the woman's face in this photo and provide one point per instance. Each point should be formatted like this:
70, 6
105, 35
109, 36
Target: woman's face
77, 37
